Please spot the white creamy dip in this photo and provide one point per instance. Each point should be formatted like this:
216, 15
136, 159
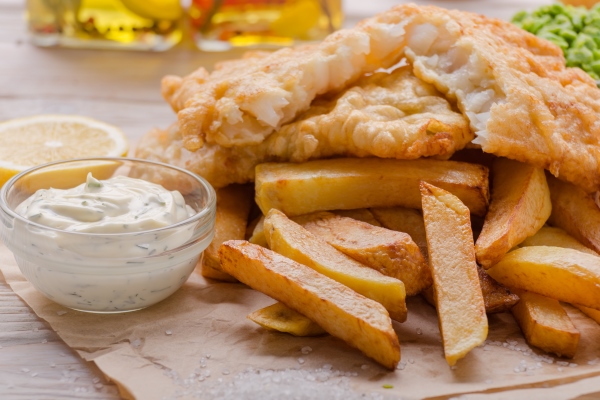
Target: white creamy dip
114, 247
116, 205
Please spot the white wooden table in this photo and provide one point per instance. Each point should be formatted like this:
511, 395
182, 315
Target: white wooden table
121, 88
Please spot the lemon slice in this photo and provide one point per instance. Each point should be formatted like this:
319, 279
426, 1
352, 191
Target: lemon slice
27, 142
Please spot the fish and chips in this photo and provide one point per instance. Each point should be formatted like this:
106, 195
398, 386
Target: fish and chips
386, 133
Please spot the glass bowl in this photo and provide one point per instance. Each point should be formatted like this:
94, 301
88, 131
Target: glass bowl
107, 272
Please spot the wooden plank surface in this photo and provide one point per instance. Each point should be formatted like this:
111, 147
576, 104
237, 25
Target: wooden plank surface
122, 88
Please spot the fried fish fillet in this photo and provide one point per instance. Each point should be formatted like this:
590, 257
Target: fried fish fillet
388, 115
241, 103
521, 100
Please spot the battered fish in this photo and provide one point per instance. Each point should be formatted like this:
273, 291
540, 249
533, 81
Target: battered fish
521, 100
242, 103
388, 115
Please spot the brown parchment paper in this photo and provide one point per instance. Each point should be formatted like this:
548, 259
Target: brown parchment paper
149, 353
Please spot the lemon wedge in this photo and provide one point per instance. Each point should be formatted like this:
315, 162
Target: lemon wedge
155, 9
31, 141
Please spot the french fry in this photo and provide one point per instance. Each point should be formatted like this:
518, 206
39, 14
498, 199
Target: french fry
576, 212
389, 252
457, 292
549, 236
343, 313
279, 317
497, 298
233, 206
258, 235
407, 220
545, 324
560, 273
519, 207
590, 312
349, 183
293, 241
359, 214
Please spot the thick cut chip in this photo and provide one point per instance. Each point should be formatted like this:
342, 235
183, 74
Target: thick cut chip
348, 183
281, 318
233, 207
393, 115
560, 273
497, 298
545, 324
519, 207
343, 313
293, 241
590, 312
457, 292
576, 212
258, 234
389, 252
406, 220
549, 236
359, 214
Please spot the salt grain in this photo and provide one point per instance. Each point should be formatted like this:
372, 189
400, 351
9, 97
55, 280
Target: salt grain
52, 365
168, 332
559, 369
136, 343
300, 360
98, 386
573, 365
61, 312
225, 372
401, 365
25, 370
45, 341
419, 331
306, 350
34, 374
364, 366
594, 361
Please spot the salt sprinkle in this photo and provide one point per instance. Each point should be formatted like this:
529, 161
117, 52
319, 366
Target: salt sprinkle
364, 366
61, 312
207, 356
98, 386
52, 365
559, 369
419, 331
401, 365
136, 343
168, 332
299, 384
300, 360
572, 365
411, 361
35, 329
306, 350
34, 374
25, 370
225, 372
45, 341
562, 363
594, 361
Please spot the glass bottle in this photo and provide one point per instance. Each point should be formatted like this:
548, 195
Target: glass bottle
220, 25
129, 24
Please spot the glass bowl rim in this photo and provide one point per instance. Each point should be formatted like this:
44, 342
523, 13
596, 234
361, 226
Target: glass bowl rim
210, 191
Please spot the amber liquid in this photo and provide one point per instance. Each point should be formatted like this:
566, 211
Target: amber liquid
219, 25
104, 24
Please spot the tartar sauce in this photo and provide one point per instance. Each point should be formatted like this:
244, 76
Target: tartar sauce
109, 253
116, 205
